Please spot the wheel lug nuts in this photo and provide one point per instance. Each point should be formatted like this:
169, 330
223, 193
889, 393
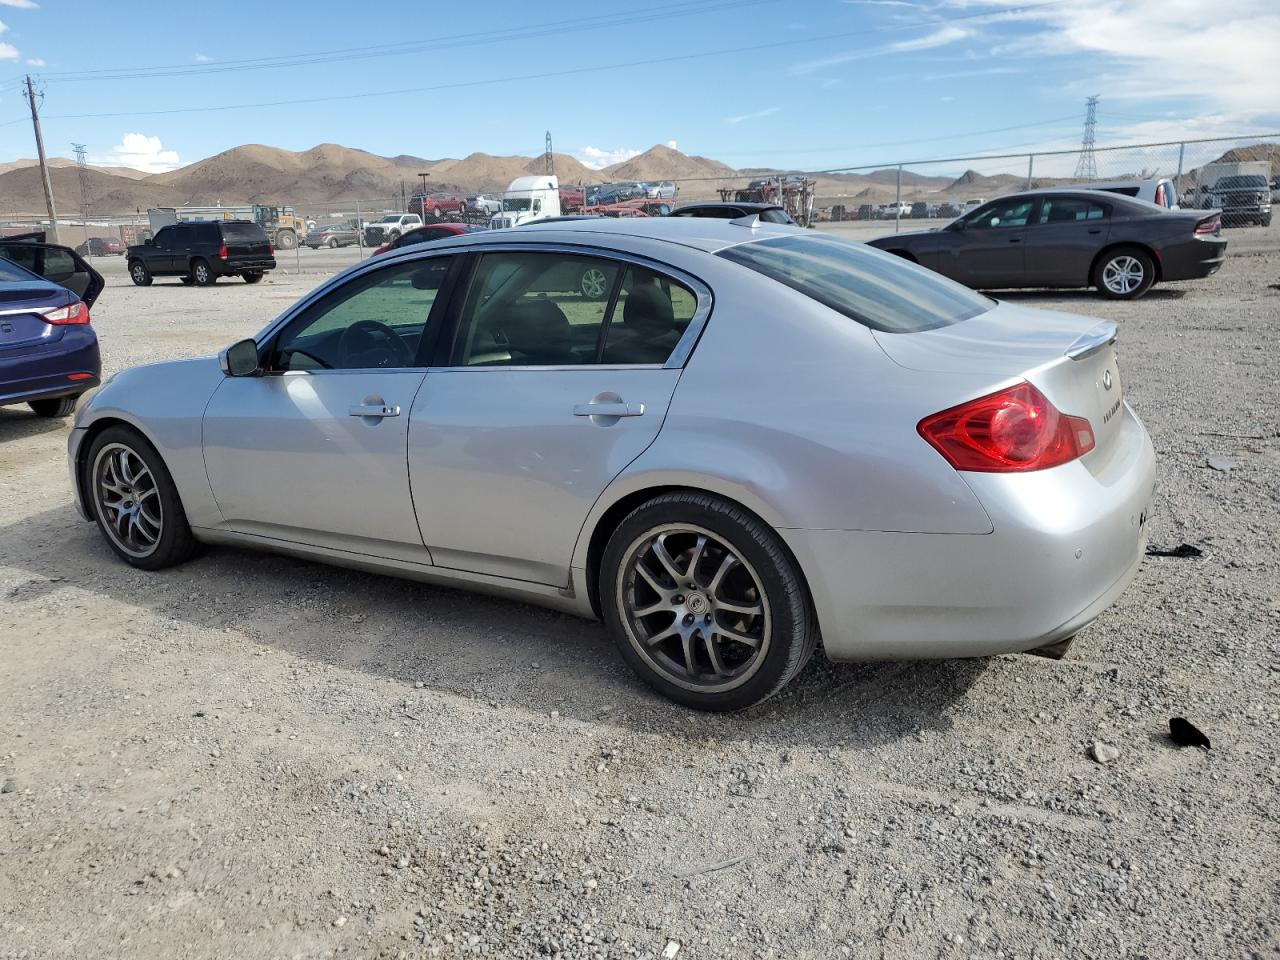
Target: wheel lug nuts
688, 619
707, 618
677, 599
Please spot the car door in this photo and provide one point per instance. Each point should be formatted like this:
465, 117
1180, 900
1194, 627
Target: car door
1061, 243
159, 253
313, 450
57, 264
989, 249
544, 396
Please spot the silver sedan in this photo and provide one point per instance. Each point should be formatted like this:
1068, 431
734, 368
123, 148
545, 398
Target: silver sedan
750, 440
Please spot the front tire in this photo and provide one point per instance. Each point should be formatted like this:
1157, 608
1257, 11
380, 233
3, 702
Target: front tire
1125, 273
57, 407
705, 603
286, 240
139, 274
202, 273
135, 501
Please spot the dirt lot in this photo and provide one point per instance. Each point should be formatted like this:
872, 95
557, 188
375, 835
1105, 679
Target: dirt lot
252, 756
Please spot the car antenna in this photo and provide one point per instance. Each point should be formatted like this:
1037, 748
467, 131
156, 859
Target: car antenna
751, 220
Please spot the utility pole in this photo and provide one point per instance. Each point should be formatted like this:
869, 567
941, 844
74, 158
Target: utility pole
44, 164
549, 158
86, 189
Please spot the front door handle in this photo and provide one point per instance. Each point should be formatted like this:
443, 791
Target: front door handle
618, 409
1015, 239
377, 410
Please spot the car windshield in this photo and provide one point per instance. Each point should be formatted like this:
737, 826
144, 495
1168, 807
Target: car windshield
877, 290
393, 218
516, 203
1256, 181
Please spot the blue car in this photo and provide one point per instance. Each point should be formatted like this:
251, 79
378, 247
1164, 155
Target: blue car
48, 350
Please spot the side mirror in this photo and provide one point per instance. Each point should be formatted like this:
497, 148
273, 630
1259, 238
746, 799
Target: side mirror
960, 226
239, 359
149, 242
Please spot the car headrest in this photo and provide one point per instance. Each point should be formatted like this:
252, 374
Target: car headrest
648, 309
533, 324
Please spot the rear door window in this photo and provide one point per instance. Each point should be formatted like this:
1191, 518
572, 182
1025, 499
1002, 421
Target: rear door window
1071, 209
878, 290
649, 318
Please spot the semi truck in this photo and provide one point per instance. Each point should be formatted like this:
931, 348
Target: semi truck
281, 224
528, 199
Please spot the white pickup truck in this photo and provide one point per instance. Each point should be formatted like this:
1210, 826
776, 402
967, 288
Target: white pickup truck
389, 228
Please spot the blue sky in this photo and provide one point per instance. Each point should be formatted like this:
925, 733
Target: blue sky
803, 83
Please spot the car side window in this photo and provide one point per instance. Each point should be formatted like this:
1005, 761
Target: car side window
376, 320
1071, 210
649, 318
163, 237
534, 309
1002, 215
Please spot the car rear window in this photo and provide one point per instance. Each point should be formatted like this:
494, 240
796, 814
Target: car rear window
878, 290
243, 233
12, 272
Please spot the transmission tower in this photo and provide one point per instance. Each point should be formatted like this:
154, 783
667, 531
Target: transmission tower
1087, 167
549, 158
82, 167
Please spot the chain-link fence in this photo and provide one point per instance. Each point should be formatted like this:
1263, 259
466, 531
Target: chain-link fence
915, 192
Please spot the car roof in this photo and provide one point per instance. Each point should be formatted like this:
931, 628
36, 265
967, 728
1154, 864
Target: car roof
754, 206
701, 233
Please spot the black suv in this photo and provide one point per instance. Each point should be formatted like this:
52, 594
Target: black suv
201, 252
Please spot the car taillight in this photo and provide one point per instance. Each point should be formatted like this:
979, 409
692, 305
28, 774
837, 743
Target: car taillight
1212, 226
63, 316
382, 249
1011, 431
271, 249
222, 252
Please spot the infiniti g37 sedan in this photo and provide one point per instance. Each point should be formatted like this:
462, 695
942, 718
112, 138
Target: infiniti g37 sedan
760, 439
1069, 238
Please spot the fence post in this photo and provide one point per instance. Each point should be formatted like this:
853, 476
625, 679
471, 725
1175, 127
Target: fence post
359, 230
1177, 180
1031, 163
897, 206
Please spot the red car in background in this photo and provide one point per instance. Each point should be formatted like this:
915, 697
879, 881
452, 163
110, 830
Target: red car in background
433, 231
101, 247
436, 205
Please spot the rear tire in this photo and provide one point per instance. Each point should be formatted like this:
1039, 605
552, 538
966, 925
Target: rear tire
333, 243
57, 407
1125, 273
1265, 221
202, 273
139, 273
286, 239
741, 622
135, 501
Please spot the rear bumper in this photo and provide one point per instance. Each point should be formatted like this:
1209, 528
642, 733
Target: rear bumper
1066, 543
42, 373
243, 264
1192, 260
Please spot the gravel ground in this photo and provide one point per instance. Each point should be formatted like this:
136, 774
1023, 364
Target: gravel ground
253, 756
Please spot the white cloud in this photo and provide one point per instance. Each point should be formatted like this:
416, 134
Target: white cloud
20, 4
36, 62
1150, 49
757, 115
8, 51
202, 58
938, 38
140, 152
595, 158
672, 145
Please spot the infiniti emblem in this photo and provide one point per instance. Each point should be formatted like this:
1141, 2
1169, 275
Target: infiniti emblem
1106, 380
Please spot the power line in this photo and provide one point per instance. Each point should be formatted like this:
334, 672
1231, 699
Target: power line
545, 75
476, 38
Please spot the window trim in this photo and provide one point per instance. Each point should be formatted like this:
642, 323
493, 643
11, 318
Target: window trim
459, 278
1049, 200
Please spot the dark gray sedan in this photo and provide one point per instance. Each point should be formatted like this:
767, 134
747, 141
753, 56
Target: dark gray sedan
331, 235
1069, 238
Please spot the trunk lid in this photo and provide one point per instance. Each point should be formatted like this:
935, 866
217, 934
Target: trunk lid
1070, 359
21, 325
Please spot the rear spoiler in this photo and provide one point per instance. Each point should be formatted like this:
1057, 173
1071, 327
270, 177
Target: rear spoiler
1092, 340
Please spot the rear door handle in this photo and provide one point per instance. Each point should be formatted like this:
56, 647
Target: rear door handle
618, 409
378, 410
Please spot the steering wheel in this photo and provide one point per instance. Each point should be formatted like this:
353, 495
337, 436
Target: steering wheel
368, 343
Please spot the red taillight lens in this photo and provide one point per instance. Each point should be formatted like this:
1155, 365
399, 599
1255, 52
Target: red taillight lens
271, 249
1210, 227
222, 252
1011, 431
63, 316
382, 249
